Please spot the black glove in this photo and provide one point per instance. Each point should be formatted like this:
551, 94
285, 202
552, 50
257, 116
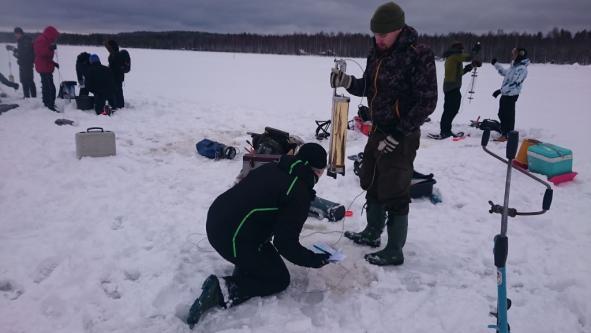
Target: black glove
476, 63
496, 93
339, 79
320, 259
493, 61
52, 46
476, 48
363, 112
468, 68
56, 64
9, 47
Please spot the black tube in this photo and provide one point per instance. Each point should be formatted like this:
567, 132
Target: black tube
501, 250
547, 199
512, 144
485, 137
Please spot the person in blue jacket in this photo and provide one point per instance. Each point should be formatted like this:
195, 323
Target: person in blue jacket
510, 89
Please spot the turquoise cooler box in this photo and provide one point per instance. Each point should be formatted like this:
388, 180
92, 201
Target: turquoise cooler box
549, 160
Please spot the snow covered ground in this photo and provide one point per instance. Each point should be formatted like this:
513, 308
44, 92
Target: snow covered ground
118, 244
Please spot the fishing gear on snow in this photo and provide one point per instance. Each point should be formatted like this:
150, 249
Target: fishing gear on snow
338, 133
471, 92
501, 242
10, 76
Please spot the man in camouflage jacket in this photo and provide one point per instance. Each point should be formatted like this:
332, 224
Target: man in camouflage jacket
401, 86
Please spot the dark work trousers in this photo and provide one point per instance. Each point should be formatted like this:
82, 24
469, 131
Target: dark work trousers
507, 113
257, 272
48, 89
386, 176
451, 106
7, 82
99, 102
83, 92
27, 81
119, 100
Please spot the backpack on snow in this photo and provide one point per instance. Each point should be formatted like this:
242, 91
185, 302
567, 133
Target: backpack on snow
486, 124
274, 141
125, 61
215, 150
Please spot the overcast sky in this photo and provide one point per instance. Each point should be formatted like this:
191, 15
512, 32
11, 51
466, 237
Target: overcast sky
287, 16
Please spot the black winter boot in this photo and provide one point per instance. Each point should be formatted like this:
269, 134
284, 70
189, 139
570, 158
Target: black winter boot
392, 253
370, 236
211, 297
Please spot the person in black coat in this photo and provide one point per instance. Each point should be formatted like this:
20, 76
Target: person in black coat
99, 81
82, 64
270, 203
25, 58
116, 65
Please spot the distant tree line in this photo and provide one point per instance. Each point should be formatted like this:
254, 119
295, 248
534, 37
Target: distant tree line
558, 46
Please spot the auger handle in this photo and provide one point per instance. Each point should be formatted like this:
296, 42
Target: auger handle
512, 143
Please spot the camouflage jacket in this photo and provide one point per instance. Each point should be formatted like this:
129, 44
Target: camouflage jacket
400, 84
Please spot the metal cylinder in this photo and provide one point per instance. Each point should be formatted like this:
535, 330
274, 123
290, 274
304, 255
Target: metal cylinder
338, 136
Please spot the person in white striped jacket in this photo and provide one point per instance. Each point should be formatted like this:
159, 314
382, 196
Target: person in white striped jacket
510, 89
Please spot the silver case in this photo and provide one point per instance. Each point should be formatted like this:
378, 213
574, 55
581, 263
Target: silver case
95, 142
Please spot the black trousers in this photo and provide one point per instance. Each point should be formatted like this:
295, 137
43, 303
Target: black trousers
258, 272
507, 113
99, 102
7, 82
48, 89
119, 100
387, 177
27, 81
451, 106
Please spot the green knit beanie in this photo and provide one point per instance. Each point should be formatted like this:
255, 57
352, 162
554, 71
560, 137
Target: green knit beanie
387, 18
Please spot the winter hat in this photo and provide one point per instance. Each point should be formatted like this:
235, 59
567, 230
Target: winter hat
314, 154
387, 18
51, 33
94, 59
521, 54
457, 45
18, 30
112, 46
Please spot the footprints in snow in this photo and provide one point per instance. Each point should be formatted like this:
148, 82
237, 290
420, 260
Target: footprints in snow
112, 289
118, 223
11, 289
44, 269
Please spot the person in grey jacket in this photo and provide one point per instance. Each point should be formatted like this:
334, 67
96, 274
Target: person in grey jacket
25, 57
510, 89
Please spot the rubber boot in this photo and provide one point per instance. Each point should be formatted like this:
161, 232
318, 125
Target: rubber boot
370, 236
392, 253
211, 297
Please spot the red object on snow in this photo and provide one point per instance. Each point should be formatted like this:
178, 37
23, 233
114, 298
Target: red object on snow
349, 213
362, 126
565, 177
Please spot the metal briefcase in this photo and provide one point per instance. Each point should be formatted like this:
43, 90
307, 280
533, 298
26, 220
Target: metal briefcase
95, 142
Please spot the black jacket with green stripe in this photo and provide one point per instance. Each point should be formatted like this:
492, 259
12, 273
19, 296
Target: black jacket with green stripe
271, 202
